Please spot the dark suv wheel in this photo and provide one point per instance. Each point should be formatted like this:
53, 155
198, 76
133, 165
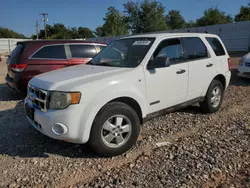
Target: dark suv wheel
115, 129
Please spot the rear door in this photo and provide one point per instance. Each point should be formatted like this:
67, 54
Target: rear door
220, 52
47, 58
80, 53
201, 67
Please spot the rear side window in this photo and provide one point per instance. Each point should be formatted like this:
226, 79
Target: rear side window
17, 52
194, 48
51, 52
216, 45
82, 51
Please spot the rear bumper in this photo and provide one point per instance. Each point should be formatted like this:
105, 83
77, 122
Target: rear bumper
18, 83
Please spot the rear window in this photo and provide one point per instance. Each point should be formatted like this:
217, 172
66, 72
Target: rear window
216, 45
17, 52
194, 48
82, 51
51, 52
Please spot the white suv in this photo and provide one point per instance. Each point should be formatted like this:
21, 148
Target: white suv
131, 81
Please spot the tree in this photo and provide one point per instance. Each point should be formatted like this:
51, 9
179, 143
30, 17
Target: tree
175, 20
214, 16
8, 33
243, 15
115, 24
85, 32
190, 24
59, 31
99, 31
147, 16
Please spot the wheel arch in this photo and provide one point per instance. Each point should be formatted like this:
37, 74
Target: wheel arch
222, 79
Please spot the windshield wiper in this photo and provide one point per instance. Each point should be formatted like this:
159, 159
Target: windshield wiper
90, 63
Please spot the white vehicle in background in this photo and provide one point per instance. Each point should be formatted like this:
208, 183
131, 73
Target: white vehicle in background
132, 80
244, 68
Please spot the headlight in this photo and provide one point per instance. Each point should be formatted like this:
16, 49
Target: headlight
61, 100
241, 62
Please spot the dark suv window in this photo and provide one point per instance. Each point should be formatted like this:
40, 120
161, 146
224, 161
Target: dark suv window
194, 48
170, 48
216, 45
82, 51
51, 52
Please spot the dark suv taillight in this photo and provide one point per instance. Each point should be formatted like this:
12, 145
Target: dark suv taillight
18, 67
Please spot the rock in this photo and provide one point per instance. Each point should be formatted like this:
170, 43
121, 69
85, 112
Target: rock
135, 183
12, 185
99, 167
161, 144
171, 156
205, 176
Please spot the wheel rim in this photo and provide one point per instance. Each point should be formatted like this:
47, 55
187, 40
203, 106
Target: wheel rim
216, 97
116, 131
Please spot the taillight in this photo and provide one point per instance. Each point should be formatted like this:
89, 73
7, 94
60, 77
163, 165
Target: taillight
18, 67
229, 63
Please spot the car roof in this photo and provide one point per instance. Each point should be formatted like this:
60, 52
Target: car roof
161, 35
60, 41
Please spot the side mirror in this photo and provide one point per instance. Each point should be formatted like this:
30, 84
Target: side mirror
159, 62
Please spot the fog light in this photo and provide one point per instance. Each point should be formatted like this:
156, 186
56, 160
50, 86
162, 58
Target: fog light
59, 129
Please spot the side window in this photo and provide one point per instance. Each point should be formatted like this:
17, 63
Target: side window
51, 52
216, 45
82, 51
170, 48
194, 48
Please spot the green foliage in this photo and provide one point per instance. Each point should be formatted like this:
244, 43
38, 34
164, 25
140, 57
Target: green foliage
115, 24
175, 20
147, 16
214, 16
190, 24
8, 33
84, 32
243, 15
59, 31
99, 31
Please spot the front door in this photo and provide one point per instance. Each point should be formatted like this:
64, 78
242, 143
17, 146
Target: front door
167, 86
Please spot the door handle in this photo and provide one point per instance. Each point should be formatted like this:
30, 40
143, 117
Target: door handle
209, 65
181, 71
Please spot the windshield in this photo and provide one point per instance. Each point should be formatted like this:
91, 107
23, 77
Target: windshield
123, 53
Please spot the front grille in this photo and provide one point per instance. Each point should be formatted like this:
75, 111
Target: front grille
38, 97
248, 64
246, 73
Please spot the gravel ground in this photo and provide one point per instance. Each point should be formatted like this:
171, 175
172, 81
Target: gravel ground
196, 150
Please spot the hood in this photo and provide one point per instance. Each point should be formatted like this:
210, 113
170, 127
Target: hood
246, 57
63, 78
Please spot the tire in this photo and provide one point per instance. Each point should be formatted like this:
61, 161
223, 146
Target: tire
207, 106
115, 114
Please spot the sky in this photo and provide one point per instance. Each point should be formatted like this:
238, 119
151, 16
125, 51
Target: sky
21, 15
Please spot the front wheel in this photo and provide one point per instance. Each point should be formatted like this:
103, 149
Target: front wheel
214, 97
115, 129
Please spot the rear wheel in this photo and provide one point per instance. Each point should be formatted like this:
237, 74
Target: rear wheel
213, 98
115, 129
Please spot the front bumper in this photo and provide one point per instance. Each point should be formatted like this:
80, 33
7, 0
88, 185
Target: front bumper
243, 72
69, 117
